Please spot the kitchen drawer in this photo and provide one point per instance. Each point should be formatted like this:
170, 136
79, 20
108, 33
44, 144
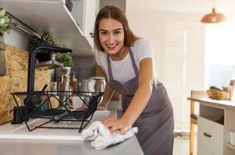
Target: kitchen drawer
211, 135
203, 150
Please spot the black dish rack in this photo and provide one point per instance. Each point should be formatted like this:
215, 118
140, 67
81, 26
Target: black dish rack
38, 105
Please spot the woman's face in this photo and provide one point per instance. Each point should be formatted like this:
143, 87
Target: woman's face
111, 35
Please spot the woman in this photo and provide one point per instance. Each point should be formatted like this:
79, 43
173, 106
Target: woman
127, 62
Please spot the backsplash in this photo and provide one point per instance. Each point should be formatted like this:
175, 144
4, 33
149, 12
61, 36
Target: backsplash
16, 79
84, 67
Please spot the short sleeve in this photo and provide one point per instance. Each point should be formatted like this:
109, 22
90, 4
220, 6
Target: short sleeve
142, 49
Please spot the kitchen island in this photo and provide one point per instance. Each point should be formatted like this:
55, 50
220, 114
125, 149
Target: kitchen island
17, 140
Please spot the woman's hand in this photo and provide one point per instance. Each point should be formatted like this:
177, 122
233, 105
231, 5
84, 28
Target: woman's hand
117, 125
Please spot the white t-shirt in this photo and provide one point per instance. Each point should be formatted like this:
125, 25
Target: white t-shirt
123, 70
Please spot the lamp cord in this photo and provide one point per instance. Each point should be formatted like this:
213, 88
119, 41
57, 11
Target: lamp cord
213, 3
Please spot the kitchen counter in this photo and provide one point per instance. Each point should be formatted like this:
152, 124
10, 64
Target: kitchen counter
17, 140
213, 102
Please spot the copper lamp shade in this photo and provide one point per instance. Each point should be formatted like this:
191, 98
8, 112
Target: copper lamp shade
213, 17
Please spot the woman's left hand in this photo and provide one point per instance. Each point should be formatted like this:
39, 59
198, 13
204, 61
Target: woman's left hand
117, 125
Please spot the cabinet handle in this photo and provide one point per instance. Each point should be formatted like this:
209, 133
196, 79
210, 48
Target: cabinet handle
91, 35
207, 135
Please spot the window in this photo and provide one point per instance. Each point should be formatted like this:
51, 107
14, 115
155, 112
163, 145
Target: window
220, 54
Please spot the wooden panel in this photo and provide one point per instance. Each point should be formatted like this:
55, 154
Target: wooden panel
16, 79
4, 117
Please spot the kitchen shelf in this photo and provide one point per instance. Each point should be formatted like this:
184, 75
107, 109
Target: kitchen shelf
52, 16
49, 64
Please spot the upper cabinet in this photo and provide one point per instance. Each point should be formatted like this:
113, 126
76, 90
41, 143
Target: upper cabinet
85, 12
71, 29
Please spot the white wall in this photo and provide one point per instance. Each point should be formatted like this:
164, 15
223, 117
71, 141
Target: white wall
178, 42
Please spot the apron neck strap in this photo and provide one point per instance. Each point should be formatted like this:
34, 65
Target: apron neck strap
132, 62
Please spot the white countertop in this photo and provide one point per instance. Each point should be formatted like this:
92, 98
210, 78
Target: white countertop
16, 131
53, 147
17, 140
213, 102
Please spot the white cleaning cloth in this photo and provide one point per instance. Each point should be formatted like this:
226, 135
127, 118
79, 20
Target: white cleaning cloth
100, 136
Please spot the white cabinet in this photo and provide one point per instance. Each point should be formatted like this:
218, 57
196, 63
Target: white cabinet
210, 136
53, 16
90, 12
85, 12
202, 150
216, 119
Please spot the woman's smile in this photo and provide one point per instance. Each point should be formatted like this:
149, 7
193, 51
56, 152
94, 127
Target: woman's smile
112, 46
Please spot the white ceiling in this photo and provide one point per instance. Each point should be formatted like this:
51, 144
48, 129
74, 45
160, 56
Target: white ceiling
225, 6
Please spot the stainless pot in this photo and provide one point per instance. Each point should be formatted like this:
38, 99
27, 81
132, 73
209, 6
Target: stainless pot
92, 84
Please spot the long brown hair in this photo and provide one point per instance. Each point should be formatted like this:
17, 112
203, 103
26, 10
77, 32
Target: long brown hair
110, 11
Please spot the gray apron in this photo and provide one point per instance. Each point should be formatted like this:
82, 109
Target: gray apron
156, 123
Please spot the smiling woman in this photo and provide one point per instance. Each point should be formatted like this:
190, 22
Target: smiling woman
127, 61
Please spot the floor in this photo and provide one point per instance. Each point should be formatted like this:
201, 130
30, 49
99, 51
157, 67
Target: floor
181, 145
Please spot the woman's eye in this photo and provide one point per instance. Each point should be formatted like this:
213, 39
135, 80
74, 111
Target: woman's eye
104, 33
117, 32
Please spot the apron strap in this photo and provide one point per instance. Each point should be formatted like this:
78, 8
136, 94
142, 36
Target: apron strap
132, 62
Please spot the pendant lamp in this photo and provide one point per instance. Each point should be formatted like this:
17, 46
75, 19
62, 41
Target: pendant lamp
213, 17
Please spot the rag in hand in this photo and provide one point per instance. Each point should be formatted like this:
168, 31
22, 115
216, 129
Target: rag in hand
100, 136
